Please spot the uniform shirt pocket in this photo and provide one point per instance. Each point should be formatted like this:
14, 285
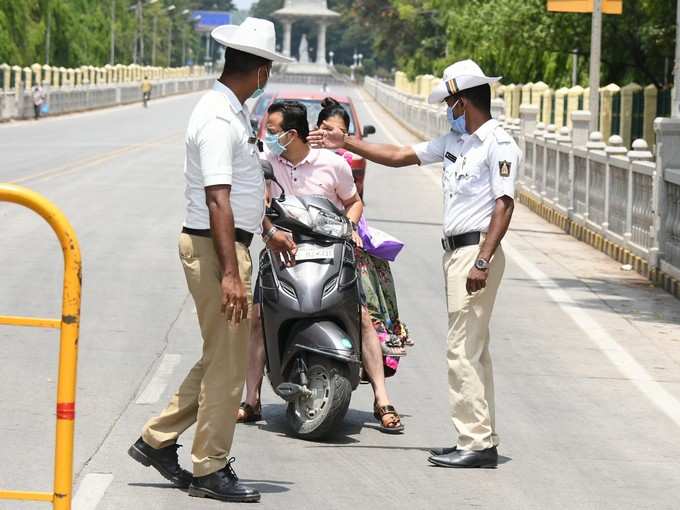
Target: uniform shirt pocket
449, 176
468, 177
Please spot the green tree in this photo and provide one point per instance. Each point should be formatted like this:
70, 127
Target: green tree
80, 31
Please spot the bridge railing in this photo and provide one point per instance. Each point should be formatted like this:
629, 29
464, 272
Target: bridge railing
18, 104
624, 202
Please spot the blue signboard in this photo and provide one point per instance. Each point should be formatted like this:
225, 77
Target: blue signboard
206, 21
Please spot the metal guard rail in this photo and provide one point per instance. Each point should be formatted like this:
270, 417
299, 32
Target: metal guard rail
69, 325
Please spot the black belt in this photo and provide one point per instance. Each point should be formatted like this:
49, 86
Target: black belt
451, 243
242, 236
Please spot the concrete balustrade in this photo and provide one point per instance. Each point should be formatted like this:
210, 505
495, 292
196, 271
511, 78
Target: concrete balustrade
28, 77
47, 75
557, 106
651, 96
623, 202
537, 90
607, 108
627, 97
6, 77
574, 97
561, 106
547, 110
90, 87
526, 91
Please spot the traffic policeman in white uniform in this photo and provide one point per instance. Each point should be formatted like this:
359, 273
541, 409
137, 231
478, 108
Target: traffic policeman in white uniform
224, 190
480, 166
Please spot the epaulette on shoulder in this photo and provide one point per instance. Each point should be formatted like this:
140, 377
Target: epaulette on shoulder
501, 135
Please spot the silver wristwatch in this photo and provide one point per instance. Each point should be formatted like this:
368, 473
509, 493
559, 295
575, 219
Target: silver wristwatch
482, 264
269, 234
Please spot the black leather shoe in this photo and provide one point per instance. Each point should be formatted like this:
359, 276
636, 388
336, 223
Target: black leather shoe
467, 459
164, 460
442, 451
223, 485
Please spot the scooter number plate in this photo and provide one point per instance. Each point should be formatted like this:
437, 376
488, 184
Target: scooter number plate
311, 252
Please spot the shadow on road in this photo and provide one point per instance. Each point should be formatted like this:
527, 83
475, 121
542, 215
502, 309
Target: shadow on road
267, 486
354, 422
155, 485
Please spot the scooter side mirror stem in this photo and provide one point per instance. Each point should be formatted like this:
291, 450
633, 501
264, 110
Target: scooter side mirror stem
268, 171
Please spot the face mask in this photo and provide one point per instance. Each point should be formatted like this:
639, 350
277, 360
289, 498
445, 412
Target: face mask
457, 123
271, 140
259, 90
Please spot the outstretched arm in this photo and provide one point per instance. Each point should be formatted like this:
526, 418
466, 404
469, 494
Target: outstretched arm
328, 137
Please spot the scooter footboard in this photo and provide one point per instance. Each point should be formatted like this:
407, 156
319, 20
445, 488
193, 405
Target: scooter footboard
324, 338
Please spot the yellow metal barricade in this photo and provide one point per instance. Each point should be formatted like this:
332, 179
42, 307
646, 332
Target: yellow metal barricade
68, 350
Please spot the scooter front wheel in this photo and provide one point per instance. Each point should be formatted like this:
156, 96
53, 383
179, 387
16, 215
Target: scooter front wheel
316, 416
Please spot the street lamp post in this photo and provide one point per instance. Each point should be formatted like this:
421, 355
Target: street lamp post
112, 56
595, 49
47, 35
185, 13
675, 110
170, 10
153, 40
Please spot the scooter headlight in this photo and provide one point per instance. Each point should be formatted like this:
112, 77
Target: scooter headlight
330, 224
299, 213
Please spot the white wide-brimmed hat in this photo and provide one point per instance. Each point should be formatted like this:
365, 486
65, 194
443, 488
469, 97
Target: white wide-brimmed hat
459, 76
255, 36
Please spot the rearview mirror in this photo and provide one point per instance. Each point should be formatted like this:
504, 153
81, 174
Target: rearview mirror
369, 130
268, 171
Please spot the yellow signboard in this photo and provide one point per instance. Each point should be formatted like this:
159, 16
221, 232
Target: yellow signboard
608, 6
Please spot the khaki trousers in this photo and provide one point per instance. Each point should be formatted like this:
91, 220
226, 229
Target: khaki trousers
210, 393
471, 392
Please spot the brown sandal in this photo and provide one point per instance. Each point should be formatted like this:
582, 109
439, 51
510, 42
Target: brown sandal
248, 413
393, 423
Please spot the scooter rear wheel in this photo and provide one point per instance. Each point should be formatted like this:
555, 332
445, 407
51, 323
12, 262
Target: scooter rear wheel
318, 416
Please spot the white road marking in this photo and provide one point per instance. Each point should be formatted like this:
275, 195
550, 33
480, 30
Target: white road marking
615, 352
377, 120
91, 491
617, 355
157, 384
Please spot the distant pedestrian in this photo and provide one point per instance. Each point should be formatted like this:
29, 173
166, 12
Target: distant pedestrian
146, 91
39, 97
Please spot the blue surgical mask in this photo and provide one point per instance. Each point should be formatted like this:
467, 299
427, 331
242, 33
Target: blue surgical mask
457, 123
271, 140
259, 90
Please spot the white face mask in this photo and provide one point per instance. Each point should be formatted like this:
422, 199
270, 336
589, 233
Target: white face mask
457, 123
273, 143
259, 90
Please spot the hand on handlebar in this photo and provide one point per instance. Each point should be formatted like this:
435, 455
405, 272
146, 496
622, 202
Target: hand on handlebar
282, 243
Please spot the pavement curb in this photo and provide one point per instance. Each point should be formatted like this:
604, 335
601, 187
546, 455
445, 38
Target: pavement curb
617, 252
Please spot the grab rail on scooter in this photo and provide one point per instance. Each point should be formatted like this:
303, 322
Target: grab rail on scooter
69, 326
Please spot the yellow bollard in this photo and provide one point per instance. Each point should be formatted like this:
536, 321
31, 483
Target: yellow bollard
69, 324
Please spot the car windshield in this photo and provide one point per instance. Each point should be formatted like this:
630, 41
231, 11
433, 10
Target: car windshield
314, 107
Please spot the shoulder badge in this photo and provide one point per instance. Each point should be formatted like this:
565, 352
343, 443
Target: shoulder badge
504, 168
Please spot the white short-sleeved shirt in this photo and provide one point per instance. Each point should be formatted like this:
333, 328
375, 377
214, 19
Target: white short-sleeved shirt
478, 169
219, 150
